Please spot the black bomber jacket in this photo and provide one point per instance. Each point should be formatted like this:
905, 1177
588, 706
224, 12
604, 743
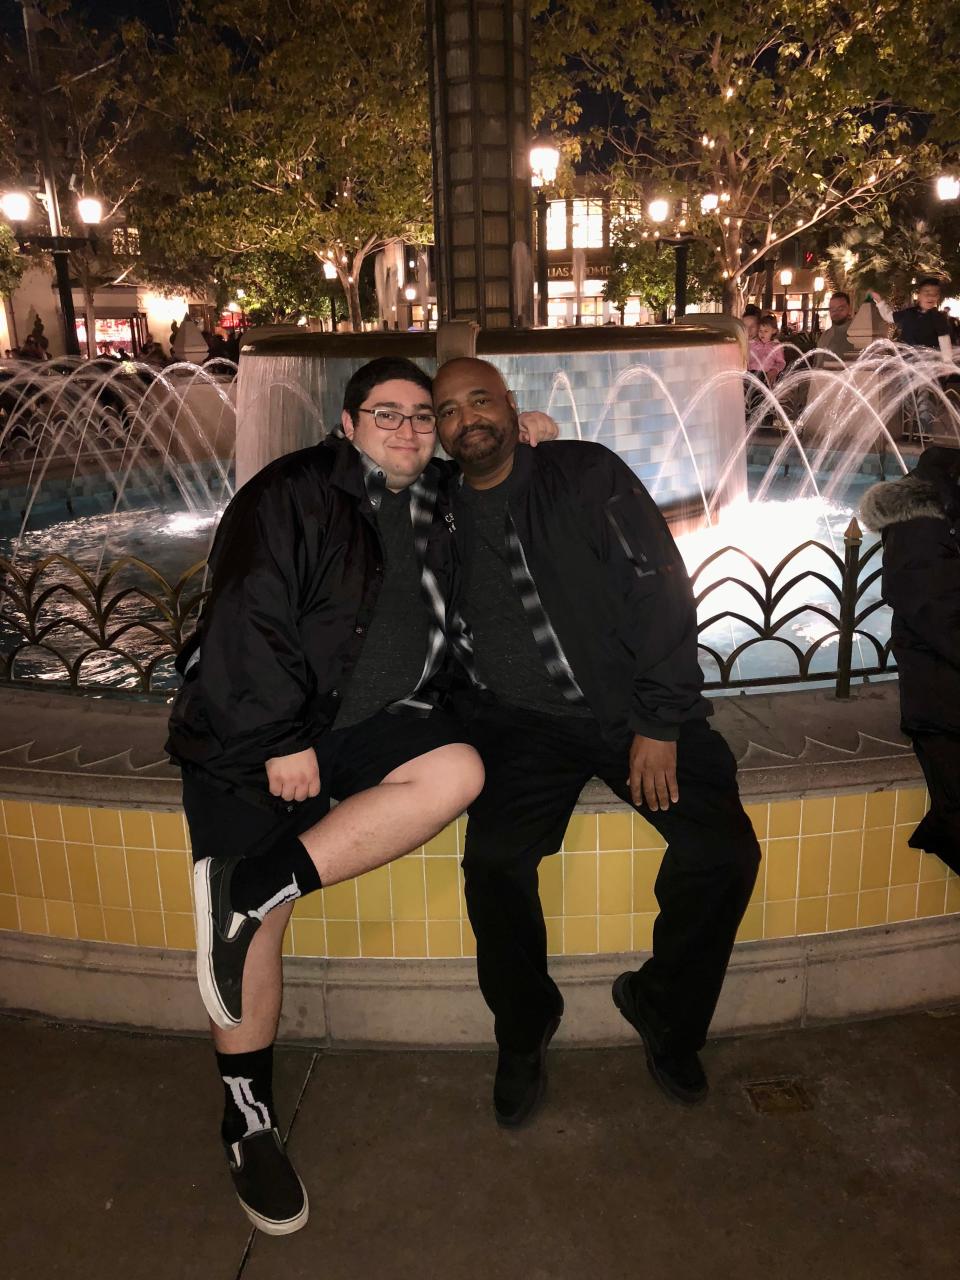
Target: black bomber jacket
296, 570
613, 585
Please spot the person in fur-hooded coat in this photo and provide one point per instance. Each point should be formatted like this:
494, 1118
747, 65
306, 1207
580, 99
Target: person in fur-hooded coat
918, 518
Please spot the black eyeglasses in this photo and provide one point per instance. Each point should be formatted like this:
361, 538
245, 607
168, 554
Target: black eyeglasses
393, 420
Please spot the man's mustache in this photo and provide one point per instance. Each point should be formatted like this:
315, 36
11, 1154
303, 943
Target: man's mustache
476, 426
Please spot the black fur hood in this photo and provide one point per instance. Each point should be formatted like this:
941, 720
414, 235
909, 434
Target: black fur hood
932, 490
897, 501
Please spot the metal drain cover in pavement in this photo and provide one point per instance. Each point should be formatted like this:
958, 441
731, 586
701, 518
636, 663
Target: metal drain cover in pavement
778, 1097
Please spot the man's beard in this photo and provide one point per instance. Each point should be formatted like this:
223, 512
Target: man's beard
480, 440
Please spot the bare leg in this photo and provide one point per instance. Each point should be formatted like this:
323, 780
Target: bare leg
262, 989
409, 806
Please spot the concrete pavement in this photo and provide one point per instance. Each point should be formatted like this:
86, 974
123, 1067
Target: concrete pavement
113, 1170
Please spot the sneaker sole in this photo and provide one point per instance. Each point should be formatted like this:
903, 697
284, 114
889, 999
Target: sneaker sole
287, 1227
665, 1086
208, 988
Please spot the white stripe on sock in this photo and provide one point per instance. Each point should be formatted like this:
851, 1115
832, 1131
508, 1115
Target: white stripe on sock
287, 894
255, 1114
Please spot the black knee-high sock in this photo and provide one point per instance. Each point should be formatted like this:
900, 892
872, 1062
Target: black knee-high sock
248, 1093
283, 873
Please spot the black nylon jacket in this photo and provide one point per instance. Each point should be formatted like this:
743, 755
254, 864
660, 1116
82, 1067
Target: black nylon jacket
918, 518
613, 585
296, 568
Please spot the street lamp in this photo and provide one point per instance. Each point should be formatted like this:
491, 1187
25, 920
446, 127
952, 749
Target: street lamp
56, 242
544, 161
15, 206
658, 211
948, 188
709, 202
90, 210
330, 273
786, 279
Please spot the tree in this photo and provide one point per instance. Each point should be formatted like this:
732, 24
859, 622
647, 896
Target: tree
12, 264
305, 132
644, 267
87, 78
889, 260
277, 287
786, 115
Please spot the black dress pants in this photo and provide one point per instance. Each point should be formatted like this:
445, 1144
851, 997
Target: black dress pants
536, 768
939, 831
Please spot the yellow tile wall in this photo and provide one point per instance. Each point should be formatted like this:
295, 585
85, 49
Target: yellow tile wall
829, 863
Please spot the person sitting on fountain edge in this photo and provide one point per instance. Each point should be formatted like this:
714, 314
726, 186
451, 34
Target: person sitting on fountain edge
835, 338
918, 518
312, 676
584, 644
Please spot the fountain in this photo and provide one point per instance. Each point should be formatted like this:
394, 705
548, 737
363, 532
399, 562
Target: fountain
95, 911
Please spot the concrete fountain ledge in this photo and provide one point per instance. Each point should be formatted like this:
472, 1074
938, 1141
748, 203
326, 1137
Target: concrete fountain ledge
79, 749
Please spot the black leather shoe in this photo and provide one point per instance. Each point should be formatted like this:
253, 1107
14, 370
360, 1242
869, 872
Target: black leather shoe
679, 1075
521, 1081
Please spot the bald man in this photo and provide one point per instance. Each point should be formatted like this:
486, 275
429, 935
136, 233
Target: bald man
584, 641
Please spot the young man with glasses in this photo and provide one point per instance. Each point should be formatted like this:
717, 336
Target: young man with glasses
312, 678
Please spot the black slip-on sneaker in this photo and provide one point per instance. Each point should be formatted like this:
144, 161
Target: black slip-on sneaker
223, 940
520, 1083
679, 1075
267, 1186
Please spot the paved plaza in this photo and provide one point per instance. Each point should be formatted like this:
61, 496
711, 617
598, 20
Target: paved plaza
849, 1169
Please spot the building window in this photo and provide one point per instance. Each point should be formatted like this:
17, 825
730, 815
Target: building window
588, 224
126, 241
557, 224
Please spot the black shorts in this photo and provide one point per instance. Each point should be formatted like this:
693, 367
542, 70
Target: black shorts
239, 821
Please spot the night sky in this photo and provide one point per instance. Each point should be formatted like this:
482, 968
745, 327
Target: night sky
159, 15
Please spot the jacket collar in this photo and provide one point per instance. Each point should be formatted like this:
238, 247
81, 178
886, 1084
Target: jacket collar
347, 473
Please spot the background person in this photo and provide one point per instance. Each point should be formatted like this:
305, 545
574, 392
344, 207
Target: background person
767, 357
918, 518
835, 338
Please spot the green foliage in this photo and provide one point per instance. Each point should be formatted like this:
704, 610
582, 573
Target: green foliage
90, 82
278, 287
12, 263
798, 112
889, 260
296, 131
641, 266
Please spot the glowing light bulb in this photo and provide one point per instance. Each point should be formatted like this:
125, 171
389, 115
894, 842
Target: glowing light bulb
15, 206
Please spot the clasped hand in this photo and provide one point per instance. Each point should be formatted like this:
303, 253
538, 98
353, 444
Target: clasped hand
294, 777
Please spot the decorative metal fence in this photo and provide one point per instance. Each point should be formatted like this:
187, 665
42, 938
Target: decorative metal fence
61, 626
846, 584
